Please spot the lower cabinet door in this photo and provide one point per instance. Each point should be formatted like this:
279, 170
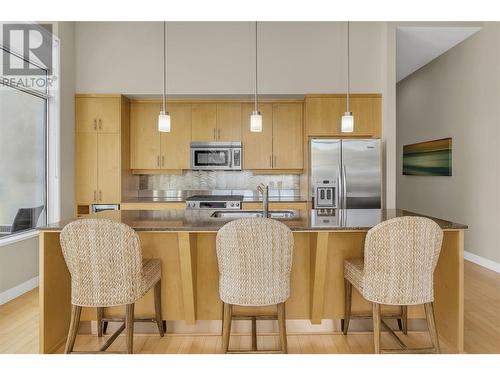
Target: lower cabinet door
86, 168
109, 184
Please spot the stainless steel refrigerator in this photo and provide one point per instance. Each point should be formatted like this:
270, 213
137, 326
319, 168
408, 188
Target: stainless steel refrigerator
345, 173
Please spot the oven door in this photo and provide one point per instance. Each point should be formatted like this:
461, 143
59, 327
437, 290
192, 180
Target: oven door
211, 158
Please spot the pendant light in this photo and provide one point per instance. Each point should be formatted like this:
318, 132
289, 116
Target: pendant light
347, 124
256, 117
164, 116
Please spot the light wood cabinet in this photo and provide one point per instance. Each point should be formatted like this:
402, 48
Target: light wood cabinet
145, 146
151, 149
280, 144
257, 146
98, 142
97, 114
367, 112
288, 137
204, 122
323, 115
108, 168
229, 122
86, 168
216, 122
175, 145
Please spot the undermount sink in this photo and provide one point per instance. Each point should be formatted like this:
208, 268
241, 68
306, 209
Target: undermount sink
289, 214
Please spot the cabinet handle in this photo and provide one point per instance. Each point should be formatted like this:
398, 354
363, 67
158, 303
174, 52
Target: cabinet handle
218, 133
158, 161
271, 161
163, 161
100, 124
95, 195
100, 195
214, 134
95, 124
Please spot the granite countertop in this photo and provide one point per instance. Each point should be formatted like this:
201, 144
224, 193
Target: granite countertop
304, 220
182, 199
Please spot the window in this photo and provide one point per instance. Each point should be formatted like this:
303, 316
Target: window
23, 154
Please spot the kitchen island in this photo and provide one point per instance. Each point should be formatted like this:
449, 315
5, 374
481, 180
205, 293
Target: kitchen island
184, 240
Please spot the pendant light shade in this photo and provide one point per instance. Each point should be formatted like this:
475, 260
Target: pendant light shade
347, 125
164, 122
164, 116
256, 122
347, 122
255, 117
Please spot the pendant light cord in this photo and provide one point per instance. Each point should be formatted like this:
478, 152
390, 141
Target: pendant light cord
256, 86
348, 64
164, 66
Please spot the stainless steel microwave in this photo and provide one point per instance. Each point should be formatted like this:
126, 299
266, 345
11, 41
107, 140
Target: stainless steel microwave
216, 156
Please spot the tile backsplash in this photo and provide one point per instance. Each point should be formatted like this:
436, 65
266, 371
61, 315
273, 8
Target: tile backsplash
217, 180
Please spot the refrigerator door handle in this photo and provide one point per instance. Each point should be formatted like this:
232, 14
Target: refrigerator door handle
344, 187
338, 202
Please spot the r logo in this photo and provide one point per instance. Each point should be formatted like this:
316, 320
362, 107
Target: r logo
36, 47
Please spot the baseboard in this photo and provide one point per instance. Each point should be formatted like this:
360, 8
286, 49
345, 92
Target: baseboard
18, 290
486, 263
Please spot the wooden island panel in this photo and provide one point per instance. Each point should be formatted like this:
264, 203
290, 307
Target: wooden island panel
190, 282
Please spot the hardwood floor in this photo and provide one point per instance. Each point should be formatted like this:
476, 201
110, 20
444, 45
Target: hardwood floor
482, 309
19, 329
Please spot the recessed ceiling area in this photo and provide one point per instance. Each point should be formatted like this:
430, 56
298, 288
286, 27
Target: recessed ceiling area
417, 46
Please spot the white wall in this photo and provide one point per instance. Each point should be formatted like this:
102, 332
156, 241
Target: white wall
457, 95
218, 57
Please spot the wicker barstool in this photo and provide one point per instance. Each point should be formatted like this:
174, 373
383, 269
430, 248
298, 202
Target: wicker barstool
105, 261
255, 261
400, 257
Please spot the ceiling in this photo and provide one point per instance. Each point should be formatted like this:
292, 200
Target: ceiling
417, 46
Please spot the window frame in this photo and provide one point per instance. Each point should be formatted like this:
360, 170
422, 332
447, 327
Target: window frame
48, 139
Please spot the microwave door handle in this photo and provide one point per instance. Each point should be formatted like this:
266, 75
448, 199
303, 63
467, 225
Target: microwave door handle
231, 156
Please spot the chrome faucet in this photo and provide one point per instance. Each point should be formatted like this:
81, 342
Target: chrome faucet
264, 189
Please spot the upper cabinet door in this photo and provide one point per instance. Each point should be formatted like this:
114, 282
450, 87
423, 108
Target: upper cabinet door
257, 146
97, 114
367, 115
108, 115
288, 136
323, 115
86, 168
175, 145
108, 166
144, 135
229, 122
204, 122
86, 114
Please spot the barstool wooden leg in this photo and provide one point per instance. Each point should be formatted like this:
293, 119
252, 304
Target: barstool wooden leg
129, 327
254, 333
73, 328
347, 306
404, 319
431, 323
100, 315
282, 327
226, 327
376, 327
158, 319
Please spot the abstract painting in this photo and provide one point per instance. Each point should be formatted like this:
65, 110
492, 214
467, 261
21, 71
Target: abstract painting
432, 158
